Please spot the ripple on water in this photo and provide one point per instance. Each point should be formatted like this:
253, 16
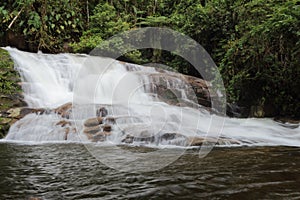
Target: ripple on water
68, 171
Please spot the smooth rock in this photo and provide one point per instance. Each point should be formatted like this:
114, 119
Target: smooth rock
106, 127
92, 129
100, 136
93, 121
64, 110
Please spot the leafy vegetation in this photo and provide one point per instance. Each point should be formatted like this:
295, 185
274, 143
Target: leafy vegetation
8, 76
45, 24
9, 89
255, 43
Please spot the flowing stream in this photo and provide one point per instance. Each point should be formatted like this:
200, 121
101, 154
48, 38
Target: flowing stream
129, 93
257, 158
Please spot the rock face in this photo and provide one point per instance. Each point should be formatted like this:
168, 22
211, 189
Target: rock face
175, 89
10, 116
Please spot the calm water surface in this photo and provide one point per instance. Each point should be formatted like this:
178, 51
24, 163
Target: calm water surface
68, 171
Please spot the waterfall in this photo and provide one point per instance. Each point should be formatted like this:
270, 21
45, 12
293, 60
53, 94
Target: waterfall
136, 110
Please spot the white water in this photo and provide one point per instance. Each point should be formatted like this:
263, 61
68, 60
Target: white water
129, 95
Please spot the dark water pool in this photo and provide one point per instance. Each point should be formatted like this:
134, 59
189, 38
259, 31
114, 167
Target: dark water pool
68, 171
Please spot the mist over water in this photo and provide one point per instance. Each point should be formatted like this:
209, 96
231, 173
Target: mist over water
126, 90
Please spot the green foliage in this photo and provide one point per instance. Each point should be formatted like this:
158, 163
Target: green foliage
104, 24
46, 24
255, 43
8, 76
262, 66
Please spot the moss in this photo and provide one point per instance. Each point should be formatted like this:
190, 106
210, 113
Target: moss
10, 90
8, 76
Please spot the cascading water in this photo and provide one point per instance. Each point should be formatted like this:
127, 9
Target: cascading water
134, 110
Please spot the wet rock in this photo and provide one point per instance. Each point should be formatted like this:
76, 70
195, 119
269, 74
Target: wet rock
257, 111
63, 123
93, 121
67, 131
92, 130
287, 123
106, 127
195, 141
227, 141
100, 136
171, 136
102, 112
39, 111
143, 136
233, 110
168, 86
19, 113
64, 110
14, 112
128, 139
199, 141
110, 120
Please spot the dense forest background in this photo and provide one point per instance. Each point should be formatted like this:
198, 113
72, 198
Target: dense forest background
255, 43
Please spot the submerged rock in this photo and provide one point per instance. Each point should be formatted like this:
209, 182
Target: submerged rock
199, 141
99, 136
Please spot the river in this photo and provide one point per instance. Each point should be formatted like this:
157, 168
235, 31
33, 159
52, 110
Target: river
69, 171
144, 150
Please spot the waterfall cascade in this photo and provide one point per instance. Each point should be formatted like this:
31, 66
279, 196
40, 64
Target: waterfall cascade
115, 102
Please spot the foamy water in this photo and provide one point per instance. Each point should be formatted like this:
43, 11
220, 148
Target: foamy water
49, 81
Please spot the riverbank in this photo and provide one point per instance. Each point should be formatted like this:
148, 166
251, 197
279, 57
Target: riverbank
10, 92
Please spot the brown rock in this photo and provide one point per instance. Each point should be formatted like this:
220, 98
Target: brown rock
63, 123
19, 113
26, 111
93, 121
66, 133
171, 136
92, 130
199, 141
106, 127
110, 120
64, 110
100, 136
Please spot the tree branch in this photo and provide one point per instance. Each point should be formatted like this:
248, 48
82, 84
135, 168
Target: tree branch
15, 18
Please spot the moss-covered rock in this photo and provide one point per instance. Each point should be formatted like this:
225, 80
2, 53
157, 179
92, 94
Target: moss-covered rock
10, 90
